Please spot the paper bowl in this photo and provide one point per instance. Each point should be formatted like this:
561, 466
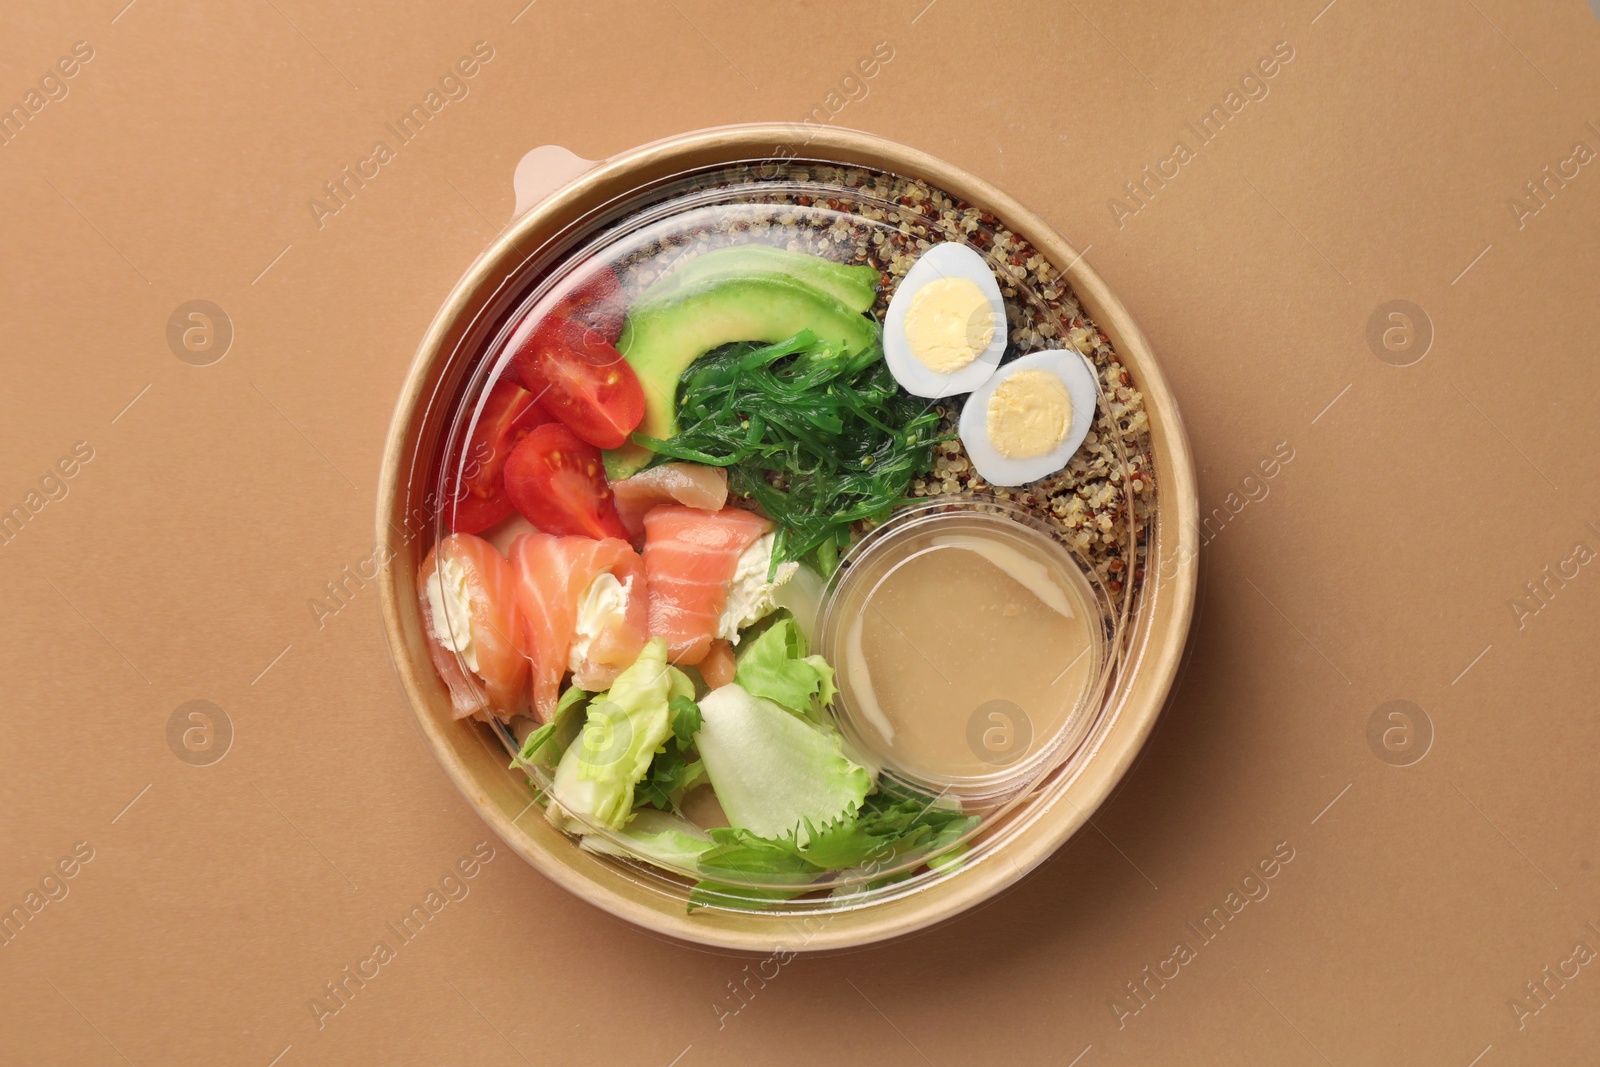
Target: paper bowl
1156, 622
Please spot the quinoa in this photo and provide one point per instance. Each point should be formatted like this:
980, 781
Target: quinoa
1100, 504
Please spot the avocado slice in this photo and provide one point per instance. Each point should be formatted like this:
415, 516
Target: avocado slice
856, 287
661, 339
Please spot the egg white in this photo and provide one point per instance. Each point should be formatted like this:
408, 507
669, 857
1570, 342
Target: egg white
945, 260
1075, 372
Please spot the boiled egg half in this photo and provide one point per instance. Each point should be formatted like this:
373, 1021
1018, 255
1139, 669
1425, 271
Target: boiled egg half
945, 330
1027, 420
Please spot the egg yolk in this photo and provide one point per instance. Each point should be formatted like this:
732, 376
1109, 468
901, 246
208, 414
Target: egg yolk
949, 324
1030, 414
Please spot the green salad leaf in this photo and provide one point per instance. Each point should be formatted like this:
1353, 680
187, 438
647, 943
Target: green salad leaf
659, 836
709, 891
773, 770
686, 719
672, 773
625, 727
737, 857
740, 854
887, 833
772, 663
819, 439
910, 823
546, 745
882, 833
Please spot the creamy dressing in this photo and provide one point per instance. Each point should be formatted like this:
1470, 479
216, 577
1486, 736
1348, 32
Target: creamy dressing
964, 652
860, 678
1029, 572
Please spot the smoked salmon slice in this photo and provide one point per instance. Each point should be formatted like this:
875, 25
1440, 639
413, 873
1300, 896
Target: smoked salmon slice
689, 561
474, 650
718, 665
552, 575
694, 485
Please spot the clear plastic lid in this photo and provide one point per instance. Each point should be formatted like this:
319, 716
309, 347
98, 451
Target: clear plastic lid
1079, 530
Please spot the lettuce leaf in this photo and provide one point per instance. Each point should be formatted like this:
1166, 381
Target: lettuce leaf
884, 833
801, 596
626, 725
672, 773
775, 772
773, 664
658, 836
686, 719
546, 745
889, 832
738, 856
708, 892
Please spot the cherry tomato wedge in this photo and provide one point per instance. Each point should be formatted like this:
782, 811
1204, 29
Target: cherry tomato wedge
596, 303
474, 514
556, 482
509, 412
581, 380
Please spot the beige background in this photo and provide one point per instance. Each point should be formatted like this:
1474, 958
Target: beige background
1380, 565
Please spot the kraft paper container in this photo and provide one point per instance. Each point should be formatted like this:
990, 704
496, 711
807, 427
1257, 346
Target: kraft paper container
1153, 630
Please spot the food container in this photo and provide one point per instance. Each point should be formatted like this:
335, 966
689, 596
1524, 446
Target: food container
995, 749
641, 196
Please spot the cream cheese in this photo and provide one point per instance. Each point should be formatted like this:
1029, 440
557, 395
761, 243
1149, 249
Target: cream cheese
605, 602
450, 610
751, 597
